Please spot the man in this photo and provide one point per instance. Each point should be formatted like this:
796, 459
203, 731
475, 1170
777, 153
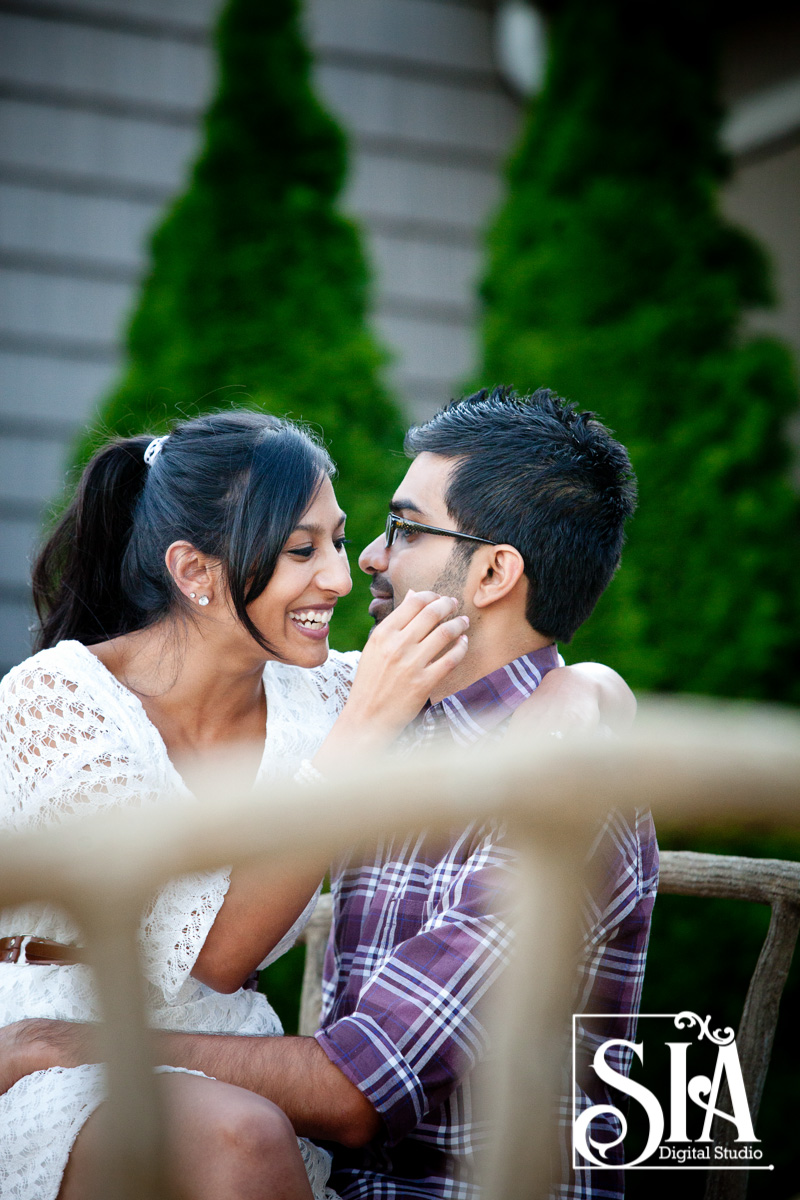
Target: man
516, 507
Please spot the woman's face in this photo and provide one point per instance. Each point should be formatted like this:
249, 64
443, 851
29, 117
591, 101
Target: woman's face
295, 609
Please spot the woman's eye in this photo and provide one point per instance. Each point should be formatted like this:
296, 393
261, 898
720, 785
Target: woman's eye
307, 551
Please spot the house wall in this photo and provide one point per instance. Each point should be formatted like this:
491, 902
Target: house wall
98, 116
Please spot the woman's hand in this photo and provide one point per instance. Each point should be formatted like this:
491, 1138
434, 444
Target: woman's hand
586, 697
405, 660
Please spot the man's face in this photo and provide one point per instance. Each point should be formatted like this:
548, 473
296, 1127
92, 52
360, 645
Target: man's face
421, 561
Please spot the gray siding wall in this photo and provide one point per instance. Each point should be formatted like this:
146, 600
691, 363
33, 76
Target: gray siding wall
99, 108
415, 84
98, 115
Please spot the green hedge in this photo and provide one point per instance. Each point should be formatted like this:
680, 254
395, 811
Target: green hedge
257, 288
614, 279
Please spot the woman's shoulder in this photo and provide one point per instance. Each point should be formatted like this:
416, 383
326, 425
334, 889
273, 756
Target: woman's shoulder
302, 705
67, 687
64, 668
57, 666
70, 732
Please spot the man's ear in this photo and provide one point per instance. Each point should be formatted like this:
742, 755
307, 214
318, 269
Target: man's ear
501, 571
195, 574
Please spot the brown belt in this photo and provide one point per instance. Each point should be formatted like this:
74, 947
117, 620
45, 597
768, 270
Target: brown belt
39, 952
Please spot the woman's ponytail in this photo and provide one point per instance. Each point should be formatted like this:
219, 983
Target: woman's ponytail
77, 577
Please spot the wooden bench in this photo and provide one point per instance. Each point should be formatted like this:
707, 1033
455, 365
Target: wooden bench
683, 873
315, 936
762, 881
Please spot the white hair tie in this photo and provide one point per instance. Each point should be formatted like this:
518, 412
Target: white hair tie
154, 449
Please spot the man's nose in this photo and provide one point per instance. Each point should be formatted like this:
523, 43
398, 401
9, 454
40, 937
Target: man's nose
374, 558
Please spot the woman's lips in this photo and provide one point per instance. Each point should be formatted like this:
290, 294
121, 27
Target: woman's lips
313, 623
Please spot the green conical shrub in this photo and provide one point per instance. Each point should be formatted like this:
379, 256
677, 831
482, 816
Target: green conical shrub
257, 289
614, 279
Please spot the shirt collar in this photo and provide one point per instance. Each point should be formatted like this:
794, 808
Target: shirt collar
484, 705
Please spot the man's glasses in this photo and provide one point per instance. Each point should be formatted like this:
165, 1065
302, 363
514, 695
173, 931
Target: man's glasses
395, 524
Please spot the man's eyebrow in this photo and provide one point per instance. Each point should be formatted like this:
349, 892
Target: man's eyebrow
319, 529
398, 506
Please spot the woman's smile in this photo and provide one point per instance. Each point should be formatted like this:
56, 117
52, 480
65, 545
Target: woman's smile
313, 622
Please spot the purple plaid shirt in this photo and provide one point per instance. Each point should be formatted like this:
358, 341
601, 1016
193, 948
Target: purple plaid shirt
421, 932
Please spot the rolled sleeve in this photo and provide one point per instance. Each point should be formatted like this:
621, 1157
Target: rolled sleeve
360, 1049
416, 1029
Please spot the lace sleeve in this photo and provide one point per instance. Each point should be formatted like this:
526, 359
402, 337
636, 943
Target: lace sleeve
175, 927
75, 743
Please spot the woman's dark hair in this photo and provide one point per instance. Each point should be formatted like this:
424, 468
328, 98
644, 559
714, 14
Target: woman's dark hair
233, 484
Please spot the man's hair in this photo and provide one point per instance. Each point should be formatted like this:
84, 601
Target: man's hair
533, 472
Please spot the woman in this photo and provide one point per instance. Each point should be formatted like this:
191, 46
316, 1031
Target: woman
183, 588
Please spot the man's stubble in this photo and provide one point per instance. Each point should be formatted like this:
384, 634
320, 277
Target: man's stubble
453, 578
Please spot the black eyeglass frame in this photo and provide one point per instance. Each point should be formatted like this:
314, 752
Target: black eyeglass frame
393, 523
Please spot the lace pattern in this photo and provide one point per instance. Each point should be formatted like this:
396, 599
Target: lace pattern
74, 741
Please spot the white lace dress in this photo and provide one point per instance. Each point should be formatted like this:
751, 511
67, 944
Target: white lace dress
75, 741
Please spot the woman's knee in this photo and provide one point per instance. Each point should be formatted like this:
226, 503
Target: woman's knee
253, 1130
223, 1142
230, 1144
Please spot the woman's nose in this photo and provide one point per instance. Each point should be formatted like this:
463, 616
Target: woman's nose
374, 558
335, 574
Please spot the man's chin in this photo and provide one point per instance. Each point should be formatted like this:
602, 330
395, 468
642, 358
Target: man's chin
379, 609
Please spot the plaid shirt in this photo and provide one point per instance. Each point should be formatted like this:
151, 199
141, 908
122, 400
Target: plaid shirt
421, 931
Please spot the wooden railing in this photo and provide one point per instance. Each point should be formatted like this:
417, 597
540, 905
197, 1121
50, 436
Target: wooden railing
704, 768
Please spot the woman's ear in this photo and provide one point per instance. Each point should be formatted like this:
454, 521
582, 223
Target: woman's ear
195, 574
501, 571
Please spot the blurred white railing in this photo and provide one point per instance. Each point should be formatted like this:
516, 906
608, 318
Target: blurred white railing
693, 766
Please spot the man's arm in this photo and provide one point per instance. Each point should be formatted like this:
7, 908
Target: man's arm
293, 1072
417, 1029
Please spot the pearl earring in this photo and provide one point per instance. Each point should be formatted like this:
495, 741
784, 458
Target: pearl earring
203, 601
192, 595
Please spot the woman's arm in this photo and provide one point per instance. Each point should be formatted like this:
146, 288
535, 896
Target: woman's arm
261, 904
583, 697
404, 660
